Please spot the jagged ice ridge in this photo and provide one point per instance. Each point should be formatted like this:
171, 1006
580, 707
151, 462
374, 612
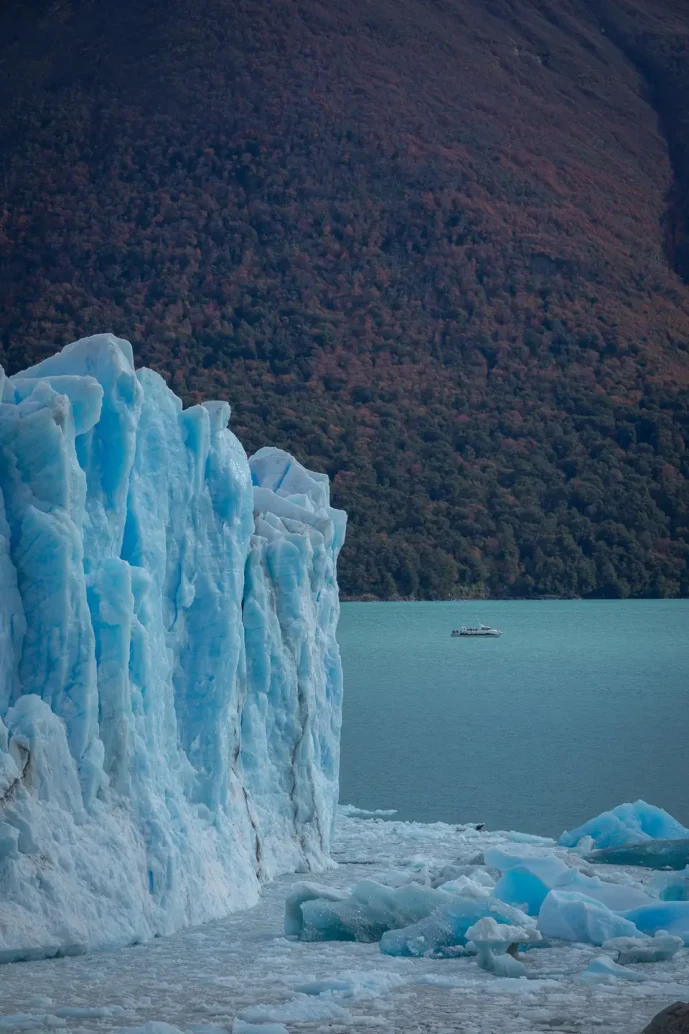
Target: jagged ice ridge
170, 680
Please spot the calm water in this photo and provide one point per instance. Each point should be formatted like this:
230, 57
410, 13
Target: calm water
580, 705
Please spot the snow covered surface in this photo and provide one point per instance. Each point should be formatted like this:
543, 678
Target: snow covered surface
170, 685
238, 973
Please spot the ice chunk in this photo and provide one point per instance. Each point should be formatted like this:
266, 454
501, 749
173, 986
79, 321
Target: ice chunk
402, 877
603, 970
644, 949
369, 911
242, 1027
363, 813
672, 917
627, 824
539, 861
353, 985
473, 869
493, 942
170, 687
653, 854
571, 916
298, 896
470, 886
529, 838
151, 1027
527, 883
615, 896
306, 1009
446, 928
672, 888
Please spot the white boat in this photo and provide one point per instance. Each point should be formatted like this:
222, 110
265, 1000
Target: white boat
480, 630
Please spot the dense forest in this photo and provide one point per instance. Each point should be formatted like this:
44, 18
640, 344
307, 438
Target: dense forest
436, 248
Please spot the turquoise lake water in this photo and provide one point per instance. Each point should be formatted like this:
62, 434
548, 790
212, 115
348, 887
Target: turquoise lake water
579, 706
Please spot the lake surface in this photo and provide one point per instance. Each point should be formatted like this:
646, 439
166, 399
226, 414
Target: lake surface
579, 706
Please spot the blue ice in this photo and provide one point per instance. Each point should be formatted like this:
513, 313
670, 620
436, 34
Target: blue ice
447, 926
603, 970
627, 824
572, 916
171, 687
672, 917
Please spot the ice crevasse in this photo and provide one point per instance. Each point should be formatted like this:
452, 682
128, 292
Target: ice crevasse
170, 681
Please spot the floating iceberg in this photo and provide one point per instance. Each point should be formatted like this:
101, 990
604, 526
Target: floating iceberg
367, 913
627, 824
603, 970
170, 687
672, 917
527, 885
446, 927
659, 948
571, 916
407, 920
527, 879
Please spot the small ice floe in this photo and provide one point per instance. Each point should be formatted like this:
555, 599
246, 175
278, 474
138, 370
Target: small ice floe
353, 984
659, 948
242, 1027
497, 945
602, 970
364, 813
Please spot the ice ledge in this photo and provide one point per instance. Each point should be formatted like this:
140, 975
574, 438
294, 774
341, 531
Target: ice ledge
170, 684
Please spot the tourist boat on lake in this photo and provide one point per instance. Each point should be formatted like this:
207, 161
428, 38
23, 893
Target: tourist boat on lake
480, 630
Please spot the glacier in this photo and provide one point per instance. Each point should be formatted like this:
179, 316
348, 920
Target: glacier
170, 685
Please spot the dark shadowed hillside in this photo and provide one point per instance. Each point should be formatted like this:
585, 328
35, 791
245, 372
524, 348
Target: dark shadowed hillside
438, 249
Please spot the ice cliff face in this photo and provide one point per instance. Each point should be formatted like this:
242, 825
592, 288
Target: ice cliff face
170, 681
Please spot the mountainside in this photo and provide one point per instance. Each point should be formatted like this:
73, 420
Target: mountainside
438, 249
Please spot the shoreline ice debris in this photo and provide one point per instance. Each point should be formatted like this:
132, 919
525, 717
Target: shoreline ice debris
545, 895
170, 686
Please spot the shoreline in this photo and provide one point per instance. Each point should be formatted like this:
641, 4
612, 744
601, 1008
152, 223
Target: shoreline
368, 598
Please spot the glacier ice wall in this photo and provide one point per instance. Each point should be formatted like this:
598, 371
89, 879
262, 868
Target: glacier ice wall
170, 681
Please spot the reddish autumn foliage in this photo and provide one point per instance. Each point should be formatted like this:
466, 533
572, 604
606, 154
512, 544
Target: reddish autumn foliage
434, 247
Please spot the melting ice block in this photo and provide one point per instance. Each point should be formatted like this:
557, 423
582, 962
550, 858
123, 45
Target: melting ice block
446, 928
368, 912
672, 917
571, 916
527, 883
627, 824
170, 685
604, 971
492, 941
644, 949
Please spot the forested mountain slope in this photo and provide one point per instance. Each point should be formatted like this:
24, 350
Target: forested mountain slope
437, 248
